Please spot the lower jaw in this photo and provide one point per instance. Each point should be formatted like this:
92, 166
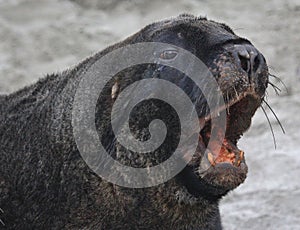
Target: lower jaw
225, 175
214, 181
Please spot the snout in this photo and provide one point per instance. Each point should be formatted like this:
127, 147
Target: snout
253, 63
249, 59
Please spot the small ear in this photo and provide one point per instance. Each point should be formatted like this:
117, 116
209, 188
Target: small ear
115, 90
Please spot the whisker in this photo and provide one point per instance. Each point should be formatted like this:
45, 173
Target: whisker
278, 121
276, 88
274, 76
195, 104
238, 28
278, 79
270, 125
266, 94
227, 106
1, 222
271, 68
236, 93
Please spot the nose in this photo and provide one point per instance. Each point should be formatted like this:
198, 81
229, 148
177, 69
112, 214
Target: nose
249, 59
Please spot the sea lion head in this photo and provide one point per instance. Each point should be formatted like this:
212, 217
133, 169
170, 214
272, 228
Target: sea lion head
242, 75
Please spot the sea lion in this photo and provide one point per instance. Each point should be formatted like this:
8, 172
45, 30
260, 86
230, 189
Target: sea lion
44, 181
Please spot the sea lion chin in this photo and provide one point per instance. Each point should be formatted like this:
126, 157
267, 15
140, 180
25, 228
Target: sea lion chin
45, 182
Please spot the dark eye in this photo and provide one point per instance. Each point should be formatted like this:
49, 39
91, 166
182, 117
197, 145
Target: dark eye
168, 54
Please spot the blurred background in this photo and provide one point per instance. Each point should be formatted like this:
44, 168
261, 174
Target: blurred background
45, 36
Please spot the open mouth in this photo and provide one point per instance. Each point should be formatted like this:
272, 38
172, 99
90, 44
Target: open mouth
219, 165
223, 149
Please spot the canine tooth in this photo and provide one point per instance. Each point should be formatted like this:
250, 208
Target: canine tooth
211, 159
241, 155
114, 90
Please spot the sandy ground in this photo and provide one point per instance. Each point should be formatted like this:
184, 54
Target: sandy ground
44, 36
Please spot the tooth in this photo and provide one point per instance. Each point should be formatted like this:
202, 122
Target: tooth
241, 155
211, 159
240, 158
114, 90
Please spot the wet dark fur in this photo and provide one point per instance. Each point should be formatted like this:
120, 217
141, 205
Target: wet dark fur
44, 183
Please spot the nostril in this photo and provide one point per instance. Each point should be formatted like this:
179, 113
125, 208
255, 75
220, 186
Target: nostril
245, 63
256, 64
248, 58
